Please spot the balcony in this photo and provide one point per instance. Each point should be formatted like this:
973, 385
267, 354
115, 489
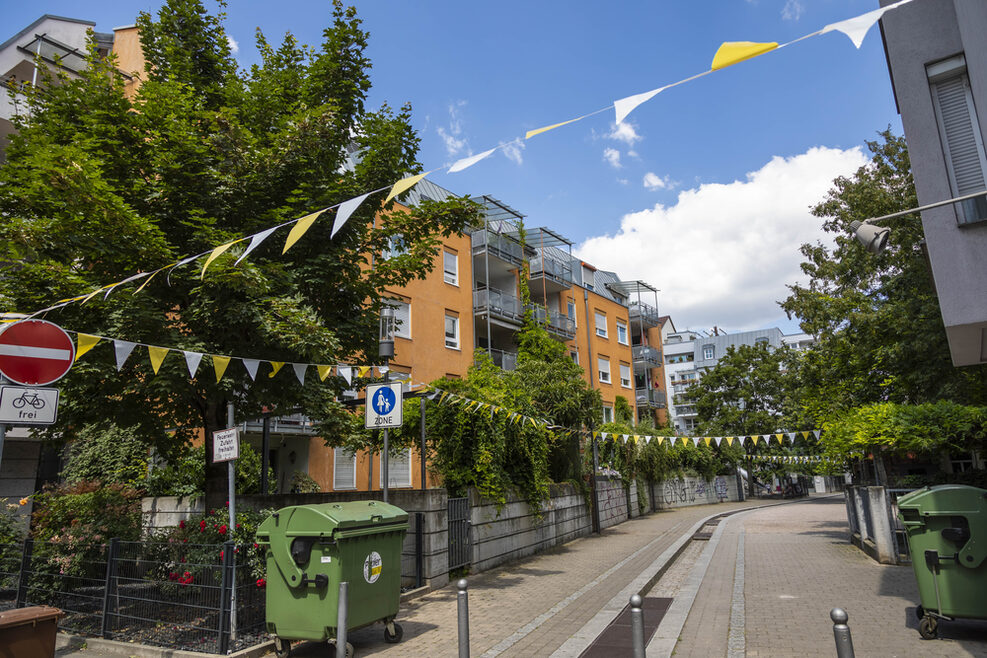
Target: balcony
650, 397
641, 313
291, 424
562, 326
556, 274
645, 354
499, 246
503, 360
498, 304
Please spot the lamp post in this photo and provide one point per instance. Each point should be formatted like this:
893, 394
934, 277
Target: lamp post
385, 350
875, 238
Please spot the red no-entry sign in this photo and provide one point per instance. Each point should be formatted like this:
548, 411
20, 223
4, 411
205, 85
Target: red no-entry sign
35, 352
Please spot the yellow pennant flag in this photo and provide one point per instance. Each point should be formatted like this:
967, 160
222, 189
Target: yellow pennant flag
685, 440
404, 185
729, 440
298, 230
733, 52
220, 363
780, 438
216, 253
805, 434
545, 129
275, 366
86, 343
660, 439
157, 355
755, 437
96, 292
708, 439
635, 438
323, 372
362, 371
147, 280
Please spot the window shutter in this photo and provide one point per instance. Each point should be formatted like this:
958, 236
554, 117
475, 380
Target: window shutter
399, 469
343, 469
965, 150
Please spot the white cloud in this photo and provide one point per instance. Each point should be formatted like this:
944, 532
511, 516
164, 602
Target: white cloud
234, 46
722, 254
451, 136
513, 151
625, 132
612, 156
792, 10
653, 182
623, 181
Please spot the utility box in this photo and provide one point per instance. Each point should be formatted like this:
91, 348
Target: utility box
311, 549
29, 631
947, 538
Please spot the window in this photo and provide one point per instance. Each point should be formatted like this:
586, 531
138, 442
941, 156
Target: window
574, 356
452, 331
621, 332
601, 324
607, 414
571, 307
959, 130
399, 469
603, 365
450, 267
402, 317
625, 375
588, 278
708, 352
762, 340
343, 469
395, 246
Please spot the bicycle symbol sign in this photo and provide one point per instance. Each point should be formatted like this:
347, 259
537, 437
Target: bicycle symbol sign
384, 406
28, 406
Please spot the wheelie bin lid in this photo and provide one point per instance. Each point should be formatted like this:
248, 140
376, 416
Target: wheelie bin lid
333, 520
29, 616
946, 500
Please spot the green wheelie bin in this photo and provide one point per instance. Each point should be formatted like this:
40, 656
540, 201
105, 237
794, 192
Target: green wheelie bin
311, 549
947, 537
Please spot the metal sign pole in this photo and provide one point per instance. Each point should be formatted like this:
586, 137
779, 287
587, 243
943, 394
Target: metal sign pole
384, 454
231, 472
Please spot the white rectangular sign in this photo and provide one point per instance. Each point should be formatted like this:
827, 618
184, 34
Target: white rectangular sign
225, 445
384, 406
20, 405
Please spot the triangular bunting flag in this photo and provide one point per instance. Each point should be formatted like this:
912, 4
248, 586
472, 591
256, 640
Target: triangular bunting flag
696, 440
708, 439
275, 366
755, 437
383, 370
463, 163
791, 438
545, 129
300, 369
86, 343
123, 349
184, 261
251, 365
141, 287
734, 52
815, 433
255, 241
856, 28
660, 439
346, 372
603, 435
216, 253
346, 208
780, 438
157, 355
299, 229
323, 372
637, 437
805, 434
625, 106
404, 185
729, 440
718, 439
685, 440
94, 293
219, 364
192, 360
364, 370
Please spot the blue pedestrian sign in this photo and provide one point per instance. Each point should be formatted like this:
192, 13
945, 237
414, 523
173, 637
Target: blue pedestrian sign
384, 405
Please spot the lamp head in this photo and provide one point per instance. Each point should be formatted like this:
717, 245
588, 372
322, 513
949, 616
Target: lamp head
387, 331
874, 238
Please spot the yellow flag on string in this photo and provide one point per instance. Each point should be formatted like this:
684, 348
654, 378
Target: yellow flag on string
220, 363
147, 280
216, 253
96, 292
733, 52
660, 439
157, 355
755, 437
685, 440
323, 372
729, 440
275, 366
86, 343
780, 438
362, 371
404, 185
545, 129
298, 230
635, 438
805, 434
708, 439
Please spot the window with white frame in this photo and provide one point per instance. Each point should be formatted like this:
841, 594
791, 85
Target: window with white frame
452, 331
708, 352
343, 469
399, 469
571, 308
622, 332
395, 246
603, 367
625, 375
402, 317
450, 267
607, 414
959, 129
601, 324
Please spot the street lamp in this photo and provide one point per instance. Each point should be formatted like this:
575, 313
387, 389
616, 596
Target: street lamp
875, 238
385, 349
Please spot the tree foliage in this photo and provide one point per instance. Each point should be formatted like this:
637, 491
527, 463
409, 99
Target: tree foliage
99, 186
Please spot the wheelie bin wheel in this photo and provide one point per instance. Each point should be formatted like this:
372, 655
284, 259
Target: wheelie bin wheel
928, 628
393, 632
282, 648
350, 651
919, 613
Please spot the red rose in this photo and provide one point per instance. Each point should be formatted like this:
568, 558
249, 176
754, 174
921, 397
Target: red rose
221, 553
227, 503
173, 576
261, 582
202, 525
256, 545
238, 526
223, 529
181, 524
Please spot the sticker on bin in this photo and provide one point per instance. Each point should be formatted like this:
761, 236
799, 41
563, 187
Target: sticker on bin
372, 567
326, 559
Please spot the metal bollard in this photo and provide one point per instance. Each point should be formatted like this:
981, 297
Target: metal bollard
341, 619
637, 626
844, 643
464, 619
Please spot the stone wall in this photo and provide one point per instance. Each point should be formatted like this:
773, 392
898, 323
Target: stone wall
687, 491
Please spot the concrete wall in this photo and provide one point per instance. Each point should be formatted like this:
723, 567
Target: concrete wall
688, 491
18, 473
871, 525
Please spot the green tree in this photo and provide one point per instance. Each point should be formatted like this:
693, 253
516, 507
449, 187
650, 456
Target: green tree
876, 317
99, 186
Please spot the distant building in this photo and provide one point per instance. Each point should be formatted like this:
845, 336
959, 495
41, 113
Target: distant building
937, 58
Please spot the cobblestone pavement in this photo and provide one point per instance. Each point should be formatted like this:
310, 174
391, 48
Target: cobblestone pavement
797, 564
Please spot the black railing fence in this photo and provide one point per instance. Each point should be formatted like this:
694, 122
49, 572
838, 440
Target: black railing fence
169, 594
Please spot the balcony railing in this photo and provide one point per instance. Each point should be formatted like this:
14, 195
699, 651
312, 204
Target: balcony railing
555, 270
499, 304
647, 354
504, 360
291, 424
556, 323
647, 314
650, 397
500, 246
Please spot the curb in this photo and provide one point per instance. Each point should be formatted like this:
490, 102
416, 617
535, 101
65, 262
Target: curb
115, 648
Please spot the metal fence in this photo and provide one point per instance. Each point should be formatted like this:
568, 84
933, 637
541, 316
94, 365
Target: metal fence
460, 547
169, 594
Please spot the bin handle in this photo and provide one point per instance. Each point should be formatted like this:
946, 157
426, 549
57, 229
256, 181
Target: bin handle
376, 518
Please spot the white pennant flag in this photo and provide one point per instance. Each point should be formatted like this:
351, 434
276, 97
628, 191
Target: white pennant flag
718, 439
383, 370
695, 441
251, 365
791, 438
459, 165
192, 361
603, 435
815, 433
625, 106
346, 372
624, 437
300, 369
346, 208
123, 349
647, 440
255, 241
857, 28
184, 261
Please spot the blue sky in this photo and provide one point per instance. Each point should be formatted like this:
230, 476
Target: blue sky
703, 192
